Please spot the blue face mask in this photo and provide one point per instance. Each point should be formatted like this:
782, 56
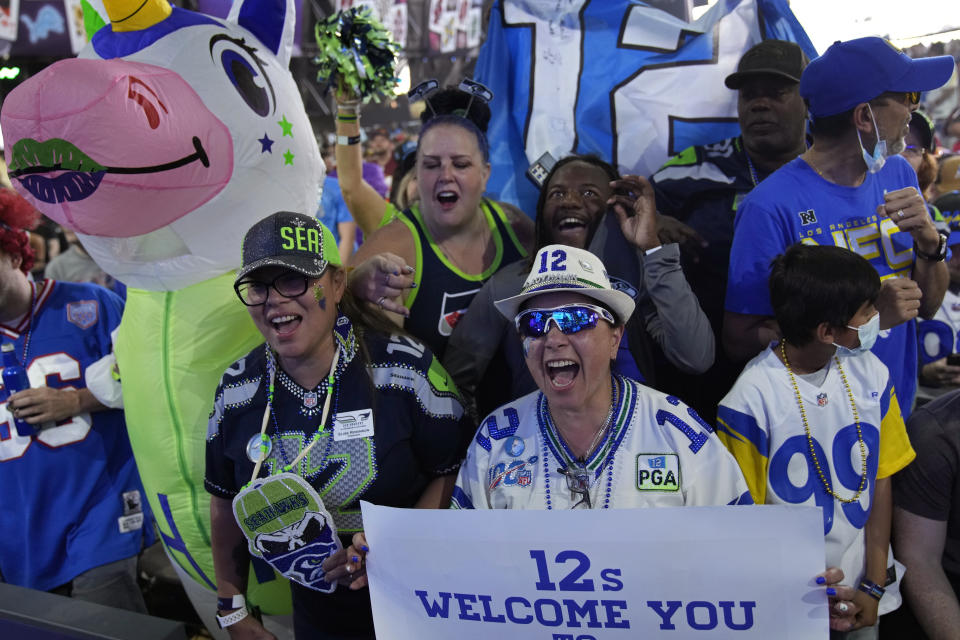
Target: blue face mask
875, 161
867, 333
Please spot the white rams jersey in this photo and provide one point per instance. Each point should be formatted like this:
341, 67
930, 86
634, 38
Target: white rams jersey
657, 452
940, 336
760, 422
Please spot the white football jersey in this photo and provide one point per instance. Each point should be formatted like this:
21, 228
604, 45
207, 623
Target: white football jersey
940, 336
760, 422
657, 452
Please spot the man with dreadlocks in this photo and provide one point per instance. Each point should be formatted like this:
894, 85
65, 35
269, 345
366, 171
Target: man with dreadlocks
72, 510
585, 203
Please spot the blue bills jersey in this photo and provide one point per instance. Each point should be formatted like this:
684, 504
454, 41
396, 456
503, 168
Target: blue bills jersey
72, 499
795, 204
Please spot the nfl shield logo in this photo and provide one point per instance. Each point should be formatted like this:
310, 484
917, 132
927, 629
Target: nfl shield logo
310, 399
83, 313
822, 399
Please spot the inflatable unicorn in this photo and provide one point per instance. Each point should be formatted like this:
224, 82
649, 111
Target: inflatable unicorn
169, 137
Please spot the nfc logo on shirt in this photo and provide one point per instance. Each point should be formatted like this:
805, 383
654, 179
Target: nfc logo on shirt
807, 217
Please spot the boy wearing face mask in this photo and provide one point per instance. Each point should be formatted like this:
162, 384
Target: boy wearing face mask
850, 190
814, 420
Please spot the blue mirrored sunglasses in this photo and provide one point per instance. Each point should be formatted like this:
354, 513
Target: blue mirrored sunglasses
534, 323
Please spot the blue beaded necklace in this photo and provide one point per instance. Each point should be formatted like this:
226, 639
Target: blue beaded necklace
604, 452
346, 349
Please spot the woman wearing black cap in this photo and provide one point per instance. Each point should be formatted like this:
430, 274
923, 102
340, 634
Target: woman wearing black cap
331, 410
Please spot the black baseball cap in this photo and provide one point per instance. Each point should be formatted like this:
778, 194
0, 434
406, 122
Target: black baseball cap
769, 58
922, 125
292, 240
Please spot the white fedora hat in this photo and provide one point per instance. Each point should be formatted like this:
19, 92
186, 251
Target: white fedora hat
558, 268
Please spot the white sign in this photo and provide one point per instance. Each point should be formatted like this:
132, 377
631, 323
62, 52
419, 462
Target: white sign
677, 572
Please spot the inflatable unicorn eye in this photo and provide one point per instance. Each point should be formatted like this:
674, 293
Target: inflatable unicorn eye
167, 139
245, 71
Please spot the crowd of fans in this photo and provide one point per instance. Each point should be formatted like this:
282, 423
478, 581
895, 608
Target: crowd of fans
789, 296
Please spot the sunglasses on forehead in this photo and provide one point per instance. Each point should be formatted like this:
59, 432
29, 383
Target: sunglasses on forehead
534, 323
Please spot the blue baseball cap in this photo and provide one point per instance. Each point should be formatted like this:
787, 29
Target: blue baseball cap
857, 71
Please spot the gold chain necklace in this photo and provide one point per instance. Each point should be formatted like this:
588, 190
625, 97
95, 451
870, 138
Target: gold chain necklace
806, 429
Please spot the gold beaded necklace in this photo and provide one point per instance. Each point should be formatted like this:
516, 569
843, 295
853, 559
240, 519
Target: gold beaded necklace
806, 429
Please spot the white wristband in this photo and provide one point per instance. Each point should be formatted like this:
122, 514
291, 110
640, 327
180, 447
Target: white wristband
232, 618
653, 250
231, 602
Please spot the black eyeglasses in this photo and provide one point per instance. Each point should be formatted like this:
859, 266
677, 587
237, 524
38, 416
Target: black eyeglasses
578, 482
534, 323
254, 293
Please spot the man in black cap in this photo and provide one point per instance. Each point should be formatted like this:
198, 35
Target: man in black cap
703, 185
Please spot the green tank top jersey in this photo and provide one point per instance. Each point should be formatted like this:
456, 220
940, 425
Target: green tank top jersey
443, 292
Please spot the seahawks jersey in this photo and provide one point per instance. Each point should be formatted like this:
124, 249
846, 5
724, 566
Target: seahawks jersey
435, 309
703, 186
72, 499
398, 422
940, 336
760, 422
794, 204
656, 452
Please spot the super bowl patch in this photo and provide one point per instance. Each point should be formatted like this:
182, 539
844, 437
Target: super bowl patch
286, 524
658, 472
517, 473
83, 313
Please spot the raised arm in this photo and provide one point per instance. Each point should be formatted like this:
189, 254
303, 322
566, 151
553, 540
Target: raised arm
365, 204
908, 211
671, 312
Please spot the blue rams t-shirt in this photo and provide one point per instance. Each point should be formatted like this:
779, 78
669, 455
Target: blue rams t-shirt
795, 204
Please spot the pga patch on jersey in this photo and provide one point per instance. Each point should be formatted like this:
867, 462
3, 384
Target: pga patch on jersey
83, 313
658, 472
351, 425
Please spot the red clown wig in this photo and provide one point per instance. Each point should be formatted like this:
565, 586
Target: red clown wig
16, 217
